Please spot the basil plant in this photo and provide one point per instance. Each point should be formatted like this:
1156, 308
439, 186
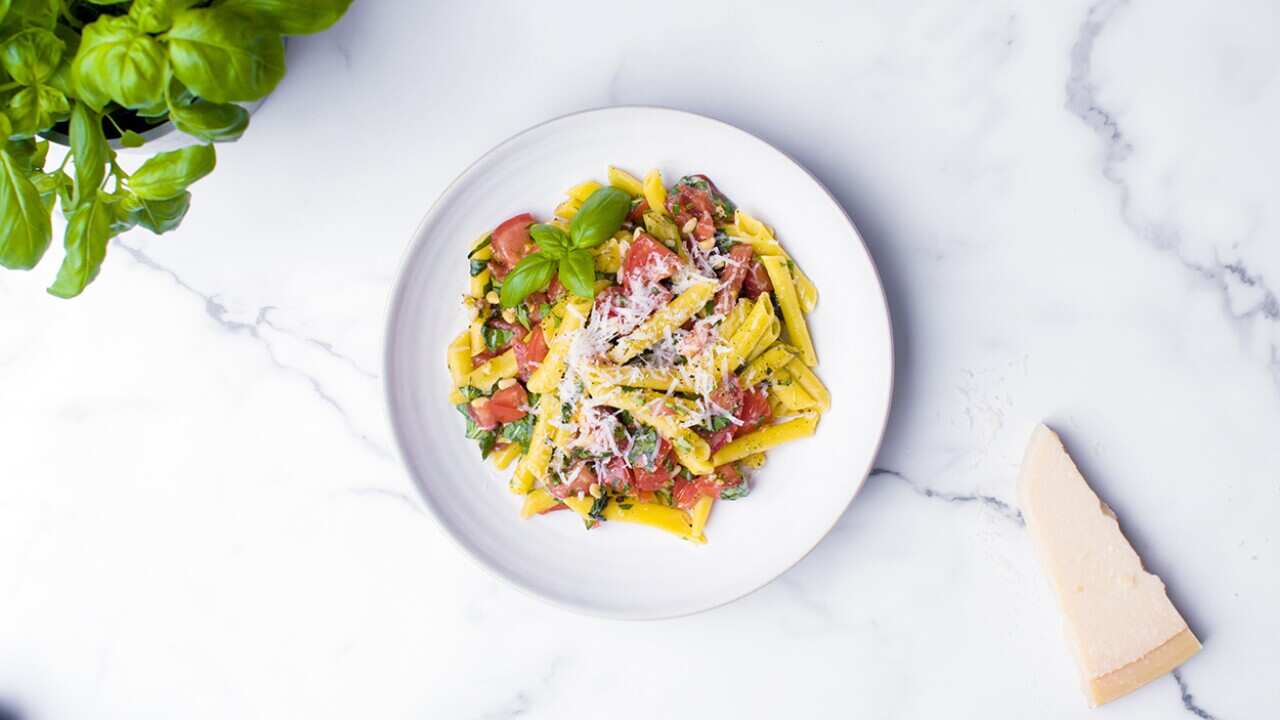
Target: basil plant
93, 71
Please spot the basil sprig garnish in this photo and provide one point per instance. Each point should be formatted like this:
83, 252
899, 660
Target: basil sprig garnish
568, 255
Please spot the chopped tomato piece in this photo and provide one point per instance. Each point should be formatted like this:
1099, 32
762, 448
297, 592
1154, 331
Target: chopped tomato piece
720, 438
507, 405
647, 262
616, 474
756, 281
732, 276
555, 290
511, 241
530, 351
728, 395
687, 492
755, 410
691, 203
728, 476
638, 209
578, 479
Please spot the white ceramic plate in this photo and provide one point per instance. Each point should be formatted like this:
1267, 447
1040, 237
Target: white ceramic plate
620, 570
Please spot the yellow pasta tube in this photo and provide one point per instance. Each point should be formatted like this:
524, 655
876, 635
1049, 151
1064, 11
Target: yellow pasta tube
534, 463
538, 501
477, 336
734, 319
746, 337
655, 192
771, 332
771, 436
791, 396
504, 457
764, 366
802, 374
583, 190
460, 358
581, 505
456, 397
755, 461
497, 368
662, 379
669, 519
663, 321
476, 288
568, 209
608, 256
665, 415
806, 291
792, 316
484, 253
625, 182
548, 375
698, 516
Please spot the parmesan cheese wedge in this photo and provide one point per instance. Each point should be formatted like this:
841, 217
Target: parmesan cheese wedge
1117, 618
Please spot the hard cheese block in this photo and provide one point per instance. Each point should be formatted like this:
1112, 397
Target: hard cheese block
1116, 616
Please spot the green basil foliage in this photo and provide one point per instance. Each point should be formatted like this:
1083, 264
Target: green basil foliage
495, 338
103, 71
736, 492
519, 431
568, 254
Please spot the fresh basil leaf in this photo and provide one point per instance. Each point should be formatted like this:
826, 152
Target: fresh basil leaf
25, 229
158, 216
486, 441
88, 230
156, 16
31, 56
293, 17
25, 14
211, 122
24, 153
50, 186
495, 337
530, 275
470, 392
117, 61
600, 217
225, 56
551, 240
735, 492
578, 273
718, 422
37, 108
6, 127
131, 139
519, 431
167, 174
522, 317
90, 151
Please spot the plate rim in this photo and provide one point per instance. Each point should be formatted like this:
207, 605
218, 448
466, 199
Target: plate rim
394, 303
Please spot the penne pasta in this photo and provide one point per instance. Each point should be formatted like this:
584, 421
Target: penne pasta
551, 370
479, 284
625, 182
698, 516
662, 517
504, 457
655, 193
768, 437
487, 375
746, 337
662, 379
665, 415
534, 464
460, 359
792, 315
766, 364
537, 502
802, 374
662, 322
477, 336
583, 190
791, 396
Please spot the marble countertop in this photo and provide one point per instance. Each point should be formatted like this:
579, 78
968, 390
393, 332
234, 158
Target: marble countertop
1073, 208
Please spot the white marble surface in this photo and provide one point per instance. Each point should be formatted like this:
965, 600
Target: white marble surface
1074, 210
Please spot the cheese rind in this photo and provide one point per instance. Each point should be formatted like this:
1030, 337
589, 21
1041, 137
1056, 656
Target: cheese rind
1118, 619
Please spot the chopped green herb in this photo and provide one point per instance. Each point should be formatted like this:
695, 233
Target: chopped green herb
522, 315
470, 392
486, 440
625, 506
478, 266
663, 496
566, 412
544, 309
495, 338
644, 448
597, 507
718, 422
723, 243
735, 492
624, 417
519, 431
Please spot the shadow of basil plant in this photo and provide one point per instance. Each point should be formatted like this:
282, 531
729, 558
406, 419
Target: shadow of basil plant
112, 69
